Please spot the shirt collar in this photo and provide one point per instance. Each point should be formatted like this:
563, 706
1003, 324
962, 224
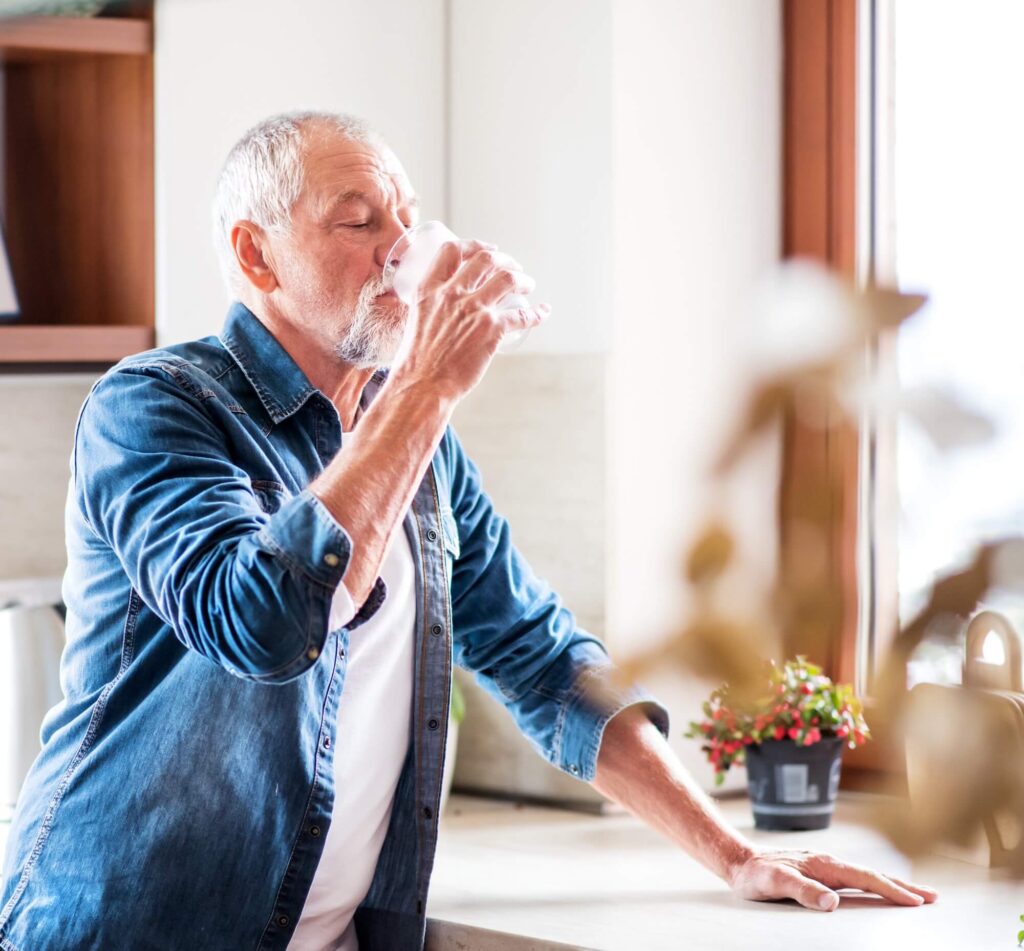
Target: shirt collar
279, 383
281, 386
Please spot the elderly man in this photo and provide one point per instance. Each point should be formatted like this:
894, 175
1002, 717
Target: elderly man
275, 551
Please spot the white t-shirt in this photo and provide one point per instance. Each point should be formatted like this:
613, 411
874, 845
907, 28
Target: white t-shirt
374, 722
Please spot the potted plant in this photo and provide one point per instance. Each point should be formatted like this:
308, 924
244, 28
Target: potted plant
791, 740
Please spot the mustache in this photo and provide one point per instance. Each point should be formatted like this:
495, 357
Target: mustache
374, 287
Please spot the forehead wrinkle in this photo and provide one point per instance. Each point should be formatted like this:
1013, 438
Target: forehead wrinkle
349, 170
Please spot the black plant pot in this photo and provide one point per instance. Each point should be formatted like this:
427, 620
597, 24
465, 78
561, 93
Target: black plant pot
793, 787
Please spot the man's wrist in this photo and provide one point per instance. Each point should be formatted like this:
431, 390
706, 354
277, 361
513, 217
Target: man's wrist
424, 397
738, 853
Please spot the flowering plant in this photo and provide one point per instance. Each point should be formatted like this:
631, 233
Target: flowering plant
800, 704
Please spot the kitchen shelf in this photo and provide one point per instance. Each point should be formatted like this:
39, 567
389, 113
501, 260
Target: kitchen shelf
60, 345
39, 37
78, 187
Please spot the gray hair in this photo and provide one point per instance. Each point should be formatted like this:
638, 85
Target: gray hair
263, 177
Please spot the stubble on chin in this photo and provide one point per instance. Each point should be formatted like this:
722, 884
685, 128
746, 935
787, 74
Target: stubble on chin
375, 331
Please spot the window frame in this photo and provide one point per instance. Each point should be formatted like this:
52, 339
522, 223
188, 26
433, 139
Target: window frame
837, 202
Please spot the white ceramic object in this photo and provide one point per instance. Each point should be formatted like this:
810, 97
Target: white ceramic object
31, 642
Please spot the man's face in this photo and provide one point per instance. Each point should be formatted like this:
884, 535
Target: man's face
357, 201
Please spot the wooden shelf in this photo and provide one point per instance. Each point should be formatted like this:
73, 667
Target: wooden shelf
61, 345
42, 36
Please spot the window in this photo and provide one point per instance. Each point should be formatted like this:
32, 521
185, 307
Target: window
953, 149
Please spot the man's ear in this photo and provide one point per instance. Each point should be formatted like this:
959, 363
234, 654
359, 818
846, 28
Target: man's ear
249, 242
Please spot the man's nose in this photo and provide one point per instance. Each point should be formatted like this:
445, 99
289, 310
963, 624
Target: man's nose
388, 237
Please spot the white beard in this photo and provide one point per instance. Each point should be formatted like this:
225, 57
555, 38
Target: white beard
372, 338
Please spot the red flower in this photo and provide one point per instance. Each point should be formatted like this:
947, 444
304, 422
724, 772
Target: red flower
780, 732
806, 689
842, 731
794, 732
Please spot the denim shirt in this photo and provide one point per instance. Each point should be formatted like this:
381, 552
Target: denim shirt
184, 787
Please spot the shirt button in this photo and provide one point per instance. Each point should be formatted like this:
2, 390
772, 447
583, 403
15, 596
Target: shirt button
327, 742
428, 813
312, 653
574, 769
314, 831
436, 630
431, 536
282, 920
432, 723
331, 559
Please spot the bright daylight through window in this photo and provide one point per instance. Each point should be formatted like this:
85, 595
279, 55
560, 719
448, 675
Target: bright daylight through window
957, 148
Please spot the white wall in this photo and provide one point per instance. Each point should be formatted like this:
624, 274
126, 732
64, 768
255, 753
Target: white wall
531, 156
645, 199
697, 120
697, 223
222, 65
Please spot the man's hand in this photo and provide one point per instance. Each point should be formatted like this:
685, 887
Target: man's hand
810, 878
454, 331
637, 768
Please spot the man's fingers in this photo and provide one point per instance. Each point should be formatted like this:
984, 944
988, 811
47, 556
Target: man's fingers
444, 265
852, 876
809, 893
928, 894
500, 284
475, 268
525, 317
469, 245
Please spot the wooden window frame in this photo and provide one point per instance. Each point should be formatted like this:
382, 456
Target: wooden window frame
832, 190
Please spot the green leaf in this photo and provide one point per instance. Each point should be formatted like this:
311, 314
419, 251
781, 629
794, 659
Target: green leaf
1020, 938
458, 706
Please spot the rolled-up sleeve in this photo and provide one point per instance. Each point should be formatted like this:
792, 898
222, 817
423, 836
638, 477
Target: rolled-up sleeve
154, 478
525, 648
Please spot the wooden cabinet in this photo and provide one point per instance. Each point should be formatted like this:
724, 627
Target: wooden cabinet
78, 188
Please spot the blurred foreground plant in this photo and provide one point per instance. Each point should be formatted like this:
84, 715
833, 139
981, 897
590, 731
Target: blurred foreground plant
815, 372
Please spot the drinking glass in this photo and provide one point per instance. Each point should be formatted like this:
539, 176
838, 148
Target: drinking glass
409, 262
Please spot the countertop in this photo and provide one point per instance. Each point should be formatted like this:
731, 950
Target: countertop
538, 875
528, 878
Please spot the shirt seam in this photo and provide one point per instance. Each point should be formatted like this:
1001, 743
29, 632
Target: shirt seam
95, 719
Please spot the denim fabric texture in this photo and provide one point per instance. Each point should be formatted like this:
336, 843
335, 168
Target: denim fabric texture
185, 782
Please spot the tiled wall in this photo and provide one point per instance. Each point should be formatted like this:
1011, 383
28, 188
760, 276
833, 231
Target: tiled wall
39, 414
535, 427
